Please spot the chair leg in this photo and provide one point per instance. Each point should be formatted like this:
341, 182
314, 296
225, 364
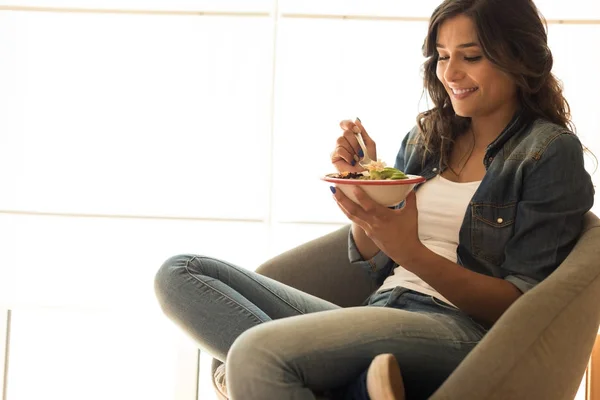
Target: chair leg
593, 373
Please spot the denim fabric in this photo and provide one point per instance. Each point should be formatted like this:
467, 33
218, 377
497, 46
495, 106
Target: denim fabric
215, 301
527, 213
281, 343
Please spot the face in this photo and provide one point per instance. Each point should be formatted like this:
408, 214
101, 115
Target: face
477, 88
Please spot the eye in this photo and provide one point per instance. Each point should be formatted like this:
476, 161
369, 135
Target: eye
473, 59
443, 58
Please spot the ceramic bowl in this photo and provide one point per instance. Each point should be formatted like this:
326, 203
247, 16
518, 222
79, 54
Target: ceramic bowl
385, 192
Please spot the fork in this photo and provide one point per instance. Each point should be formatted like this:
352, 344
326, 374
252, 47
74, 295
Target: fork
366, 160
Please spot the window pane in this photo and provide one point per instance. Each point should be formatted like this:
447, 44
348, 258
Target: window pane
202, 5
576, 66
145, 118
74, 355
551, 9
329, 70
573, 9
109, 263
422, 8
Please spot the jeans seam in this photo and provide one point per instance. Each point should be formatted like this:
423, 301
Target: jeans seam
218, 291
257, 282
333, 349
266, 288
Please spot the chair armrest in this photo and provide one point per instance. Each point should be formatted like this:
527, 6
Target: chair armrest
321, 267
541, 345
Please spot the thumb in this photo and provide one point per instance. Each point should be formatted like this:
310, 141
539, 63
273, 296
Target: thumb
364, 132
411, 200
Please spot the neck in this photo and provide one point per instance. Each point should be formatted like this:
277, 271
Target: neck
487, 128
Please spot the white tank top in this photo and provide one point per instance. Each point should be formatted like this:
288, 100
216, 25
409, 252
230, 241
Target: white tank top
442, 205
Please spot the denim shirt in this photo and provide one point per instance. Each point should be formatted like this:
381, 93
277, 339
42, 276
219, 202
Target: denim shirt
527, 213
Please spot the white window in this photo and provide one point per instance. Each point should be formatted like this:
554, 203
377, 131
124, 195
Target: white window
134, 130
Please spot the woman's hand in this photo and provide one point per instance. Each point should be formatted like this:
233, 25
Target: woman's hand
395, 232
347, 151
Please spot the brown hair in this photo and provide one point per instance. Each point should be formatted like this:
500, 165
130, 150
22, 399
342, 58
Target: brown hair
513, 36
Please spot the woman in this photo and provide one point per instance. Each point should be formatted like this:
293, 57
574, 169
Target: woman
502, 207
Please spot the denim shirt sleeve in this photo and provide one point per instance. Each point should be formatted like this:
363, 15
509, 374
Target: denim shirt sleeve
557, 192
406, 155
378, 267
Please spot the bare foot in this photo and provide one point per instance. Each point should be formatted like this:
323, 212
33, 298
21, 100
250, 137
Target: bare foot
384, 380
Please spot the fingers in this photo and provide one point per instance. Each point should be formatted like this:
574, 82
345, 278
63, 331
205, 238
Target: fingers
365, 202
340, 157
364, 209
348, 125
350, 130
346, 147
343, 157
363, 131
356, 126
353, 211
347, 153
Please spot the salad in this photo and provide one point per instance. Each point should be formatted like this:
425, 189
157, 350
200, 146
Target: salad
375, 170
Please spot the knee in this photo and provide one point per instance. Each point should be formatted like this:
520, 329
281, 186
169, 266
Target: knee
256, 351
169, 279
253, 344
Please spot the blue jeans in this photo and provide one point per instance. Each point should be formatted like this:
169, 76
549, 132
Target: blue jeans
309, 345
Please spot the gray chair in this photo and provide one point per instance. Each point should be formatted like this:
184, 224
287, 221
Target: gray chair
538, 349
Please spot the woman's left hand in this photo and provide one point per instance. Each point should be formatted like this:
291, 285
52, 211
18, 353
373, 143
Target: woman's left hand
395, 232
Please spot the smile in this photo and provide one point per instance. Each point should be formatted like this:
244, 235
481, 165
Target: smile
463, 91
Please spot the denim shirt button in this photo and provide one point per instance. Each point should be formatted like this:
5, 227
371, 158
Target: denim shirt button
434, 170
491, 159
500, 220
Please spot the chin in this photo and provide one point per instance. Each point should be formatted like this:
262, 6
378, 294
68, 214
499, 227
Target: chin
463, 112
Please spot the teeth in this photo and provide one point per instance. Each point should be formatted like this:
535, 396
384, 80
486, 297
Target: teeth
462, 91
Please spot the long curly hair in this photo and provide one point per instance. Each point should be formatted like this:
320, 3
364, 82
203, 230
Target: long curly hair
513, 36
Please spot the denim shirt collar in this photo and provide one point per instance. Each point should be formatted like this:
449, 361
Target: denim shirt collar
517, 124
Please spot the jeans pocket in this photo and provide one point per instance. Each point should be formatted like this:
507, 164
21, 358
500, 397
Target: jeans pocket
477, 327
443, 304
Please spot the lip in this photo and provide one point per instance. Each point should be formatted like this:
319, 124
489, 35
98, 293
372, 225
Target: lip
462, 93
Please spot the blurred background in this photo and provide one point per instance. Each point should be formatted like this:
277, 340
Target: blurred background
134, 130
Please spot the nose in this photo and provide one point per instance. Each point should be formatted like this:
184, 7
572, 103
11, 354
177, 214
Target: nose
453, 71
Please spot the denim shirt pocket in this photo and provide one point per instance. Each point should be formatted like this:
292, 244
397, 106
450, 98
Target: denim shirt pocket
492, 228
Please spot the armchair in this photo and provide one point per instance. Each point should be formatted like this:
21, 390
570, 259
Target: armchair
538, 349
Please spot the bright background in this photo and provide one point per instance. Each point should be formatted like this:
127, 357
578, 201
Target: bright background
131, 131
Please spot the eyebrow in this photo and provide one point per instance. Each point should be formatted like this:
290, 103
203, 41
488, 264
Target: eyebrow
460, 46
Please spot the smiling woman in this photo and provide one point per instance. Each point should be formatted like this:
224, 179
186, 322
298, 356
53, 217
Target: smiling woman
485, 67
101, 131
515, 191
477, 88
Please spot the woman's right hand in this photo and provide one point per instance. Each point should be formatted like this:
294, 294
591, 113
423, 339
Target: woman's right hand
345, 158
347, 151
